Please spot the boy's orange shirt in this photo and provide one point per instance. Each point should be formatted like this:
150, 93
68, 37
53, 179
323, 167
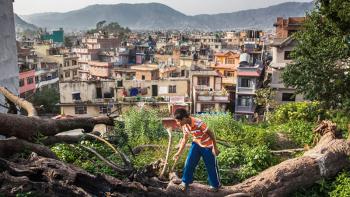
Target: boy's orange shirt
197, 129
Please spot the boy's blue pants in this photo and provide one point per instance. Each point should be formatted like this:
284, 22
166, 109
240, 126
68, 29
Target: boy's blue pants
192, 160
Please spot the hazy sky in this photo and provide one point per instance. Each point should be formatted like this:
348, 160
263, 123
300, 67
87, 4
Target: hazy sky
189, 7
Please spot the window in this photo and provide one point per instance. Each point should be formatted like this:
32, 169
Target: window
172, 89
231, 61
74, 62
228, 74
244, 101
80, 109
143, 77
104, 109
112, 92
288, 97
98, 93
203, 81
287, 55
120, 83
21, 82
245, 83
76, 96
30, 80
75, 72
67, 74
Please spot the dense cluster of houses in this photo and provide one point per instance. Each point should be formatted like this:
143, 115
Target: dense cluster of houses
203, 72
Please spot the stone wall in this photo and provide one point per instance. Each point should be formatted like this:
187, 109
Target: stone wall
8, 51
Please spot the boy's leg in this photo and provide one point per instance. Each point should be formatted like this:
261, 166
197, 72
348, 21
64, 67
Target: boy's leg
191, 162
212, 167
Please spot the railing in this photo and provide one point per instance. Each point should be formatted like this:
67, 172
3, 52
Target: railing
202, 88
248, 109
213, 98
246, 90
147, 99
48, 82
228, 80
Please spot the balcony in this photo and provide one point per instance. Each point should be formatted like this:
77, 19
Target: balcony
246, 90
48, 82
213, 96
228, 80
137, 99
245, 109
202, 88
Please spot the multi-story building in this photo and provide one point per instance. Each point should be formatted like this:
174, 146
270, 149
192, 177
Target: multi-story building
87, 98
67, 62
27, 64
100, 70
146, 72
285, 27
249, 78
226, 64
101, 42
95, 97
207, 94
282, 46
46, 75
56, 37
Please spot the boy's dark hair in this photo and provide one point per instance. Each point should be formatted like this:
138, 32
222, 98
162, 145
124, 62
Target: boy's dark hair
180, 114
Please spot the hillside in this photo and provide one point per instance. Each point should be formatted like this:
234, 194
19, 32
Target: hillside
151, 16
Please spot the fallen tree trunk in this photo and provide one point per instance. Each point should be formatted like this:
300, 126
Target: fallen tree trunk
19, 102
49, 177
325, 160
9, 147
28, 128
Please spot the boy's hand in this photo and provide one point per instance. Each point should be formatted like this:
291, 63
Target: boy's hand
176, 156
216, 151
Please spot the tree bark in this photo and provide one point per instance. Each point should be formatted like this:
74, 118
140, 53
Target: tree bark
19, 102
9, 147
49, 177
28, 128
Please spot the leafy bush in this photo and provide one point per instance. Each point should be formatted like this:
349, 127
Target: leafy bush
302, 111
341, 186
143, 126
300, 132
337, 187
237, 133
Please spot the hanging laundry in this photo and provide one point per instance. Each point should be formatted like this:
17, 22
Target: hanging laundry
134, 91
143, 91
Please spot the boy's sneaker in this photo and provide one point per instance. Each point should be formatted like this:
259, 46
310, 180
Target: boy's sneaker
183, 187
214, 189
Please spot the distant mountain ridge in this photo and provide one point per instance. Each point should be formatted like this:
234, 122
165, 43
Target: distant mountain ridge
22, 25
155, 16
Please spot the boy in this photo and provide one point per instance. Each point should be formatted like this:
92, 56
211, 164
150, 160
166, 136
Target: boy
204, 144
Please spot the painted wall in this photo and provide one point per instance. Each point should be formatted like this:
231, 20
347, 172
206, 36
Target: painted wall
25, 76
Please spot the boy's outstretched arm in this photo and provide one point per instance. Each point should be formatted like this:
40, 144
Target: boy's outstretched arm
182, 146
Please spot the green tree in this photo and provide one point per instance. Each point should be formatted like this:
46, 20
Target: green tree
265, 98
320, 61
46, 100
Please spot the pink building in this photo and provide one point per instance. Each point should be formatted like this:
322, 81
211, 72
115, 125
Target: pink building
26, 83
